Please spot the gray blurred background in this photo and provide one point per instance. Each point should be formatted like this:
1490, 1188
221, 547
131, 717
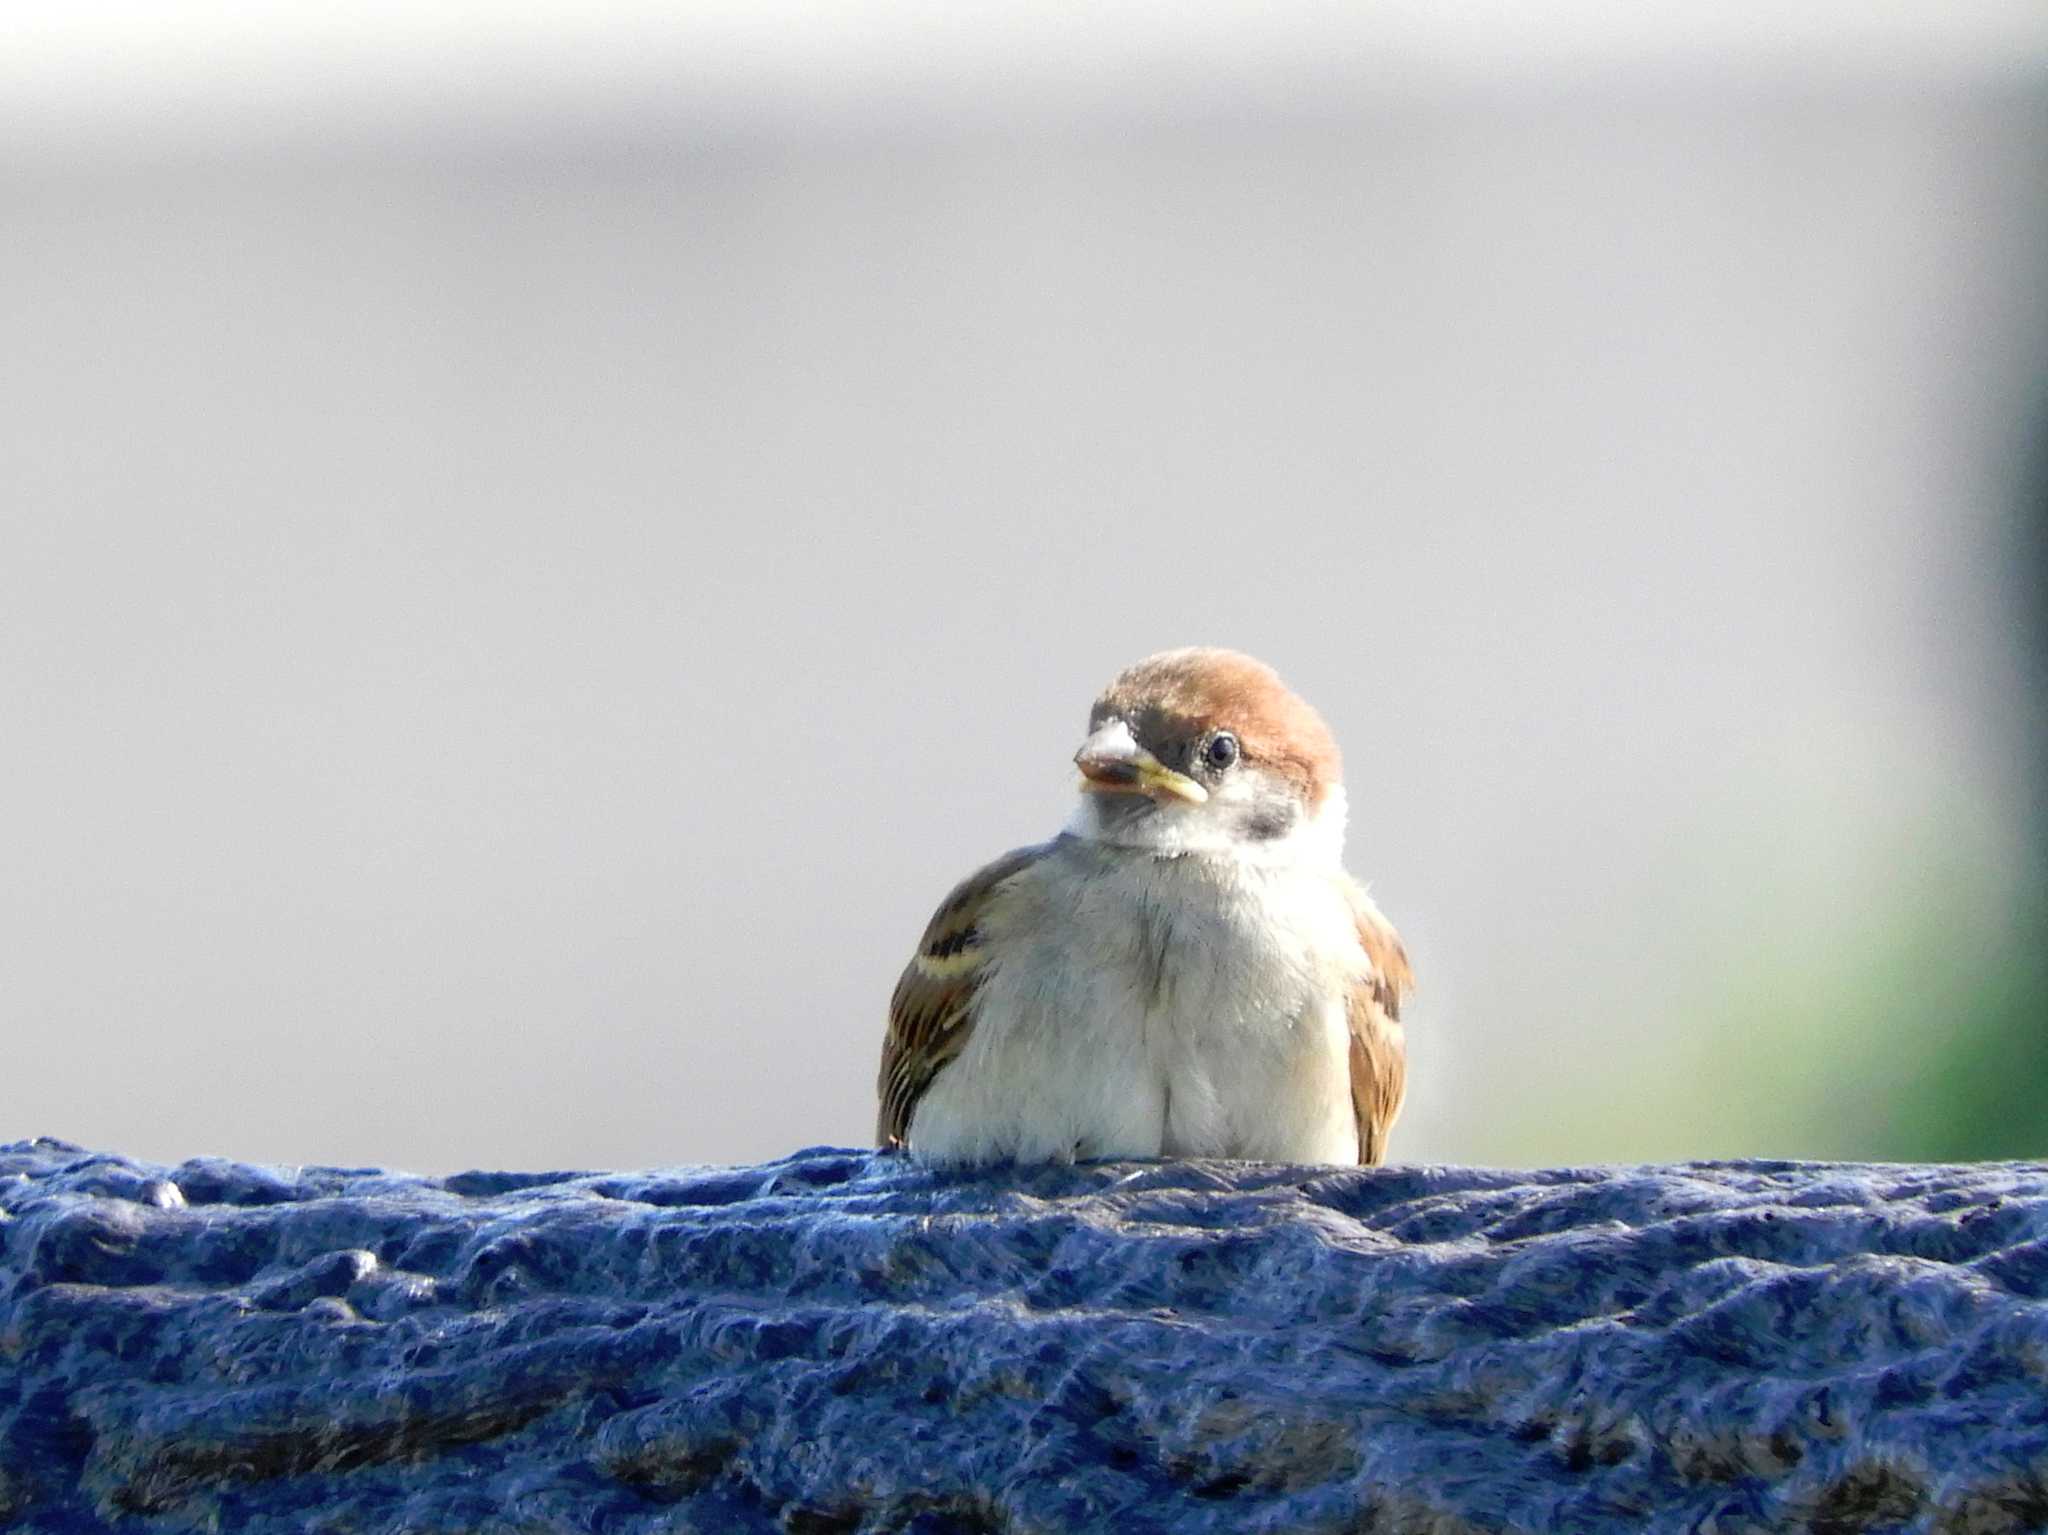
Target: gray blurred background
537, 541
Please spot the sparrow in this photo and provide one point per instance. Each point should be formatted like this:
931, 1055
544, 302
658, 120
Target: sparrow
1186, 970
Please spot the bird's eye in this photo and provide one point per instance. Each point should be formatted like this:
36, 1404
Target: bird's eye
1221, 751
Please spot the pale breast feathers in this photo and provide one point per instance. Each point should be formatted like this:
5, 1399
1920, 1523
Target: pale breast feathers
931, 1013
1379, 1051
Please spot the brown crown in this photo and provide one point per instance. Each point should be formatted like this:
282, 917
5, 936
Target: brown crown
1187, 693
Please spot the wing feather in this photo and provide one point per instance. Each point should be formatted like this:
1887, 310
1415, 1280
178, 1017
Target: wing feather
1379, 1049
931, 1014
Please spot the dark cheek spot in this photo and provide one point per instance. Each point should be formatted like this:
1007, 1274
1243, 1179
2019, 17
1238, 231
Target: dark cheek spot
1269, 821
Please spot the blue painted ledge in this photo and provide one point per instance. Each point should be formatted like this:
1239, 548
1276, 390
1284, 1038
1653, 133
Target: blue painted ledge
840, 1342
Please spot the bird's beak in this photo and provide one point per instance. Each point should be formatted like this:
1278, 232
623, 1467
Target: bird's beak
1111, 762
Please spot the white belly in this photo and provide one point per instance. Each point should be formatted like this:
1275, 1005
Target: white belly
1154, 1012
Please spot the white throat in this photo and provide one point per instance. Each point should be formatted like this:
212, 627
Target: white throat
1215, 828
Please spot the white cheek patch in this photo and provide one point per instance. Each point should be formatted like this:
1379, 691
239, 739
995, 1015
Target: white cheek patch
1219, 826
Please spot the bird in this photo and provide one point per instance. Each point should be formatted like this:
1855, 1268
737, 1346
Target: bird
1185, 970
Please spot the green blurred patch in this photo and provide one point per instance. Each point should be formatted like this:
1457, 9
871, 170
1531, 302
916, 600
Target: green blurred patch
1984, 1091
1901, 1015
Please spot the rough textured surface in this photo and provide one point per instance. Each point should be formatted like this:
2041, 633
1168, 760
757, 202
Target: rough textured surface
840, 1342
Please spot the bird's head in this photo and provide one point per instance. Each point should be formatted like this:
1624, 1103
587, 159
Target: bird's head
1207, 751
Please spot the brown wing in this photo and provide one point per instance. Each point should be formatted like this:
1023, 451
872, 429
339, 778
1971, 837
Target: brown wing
930, 1016
1379, 1049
